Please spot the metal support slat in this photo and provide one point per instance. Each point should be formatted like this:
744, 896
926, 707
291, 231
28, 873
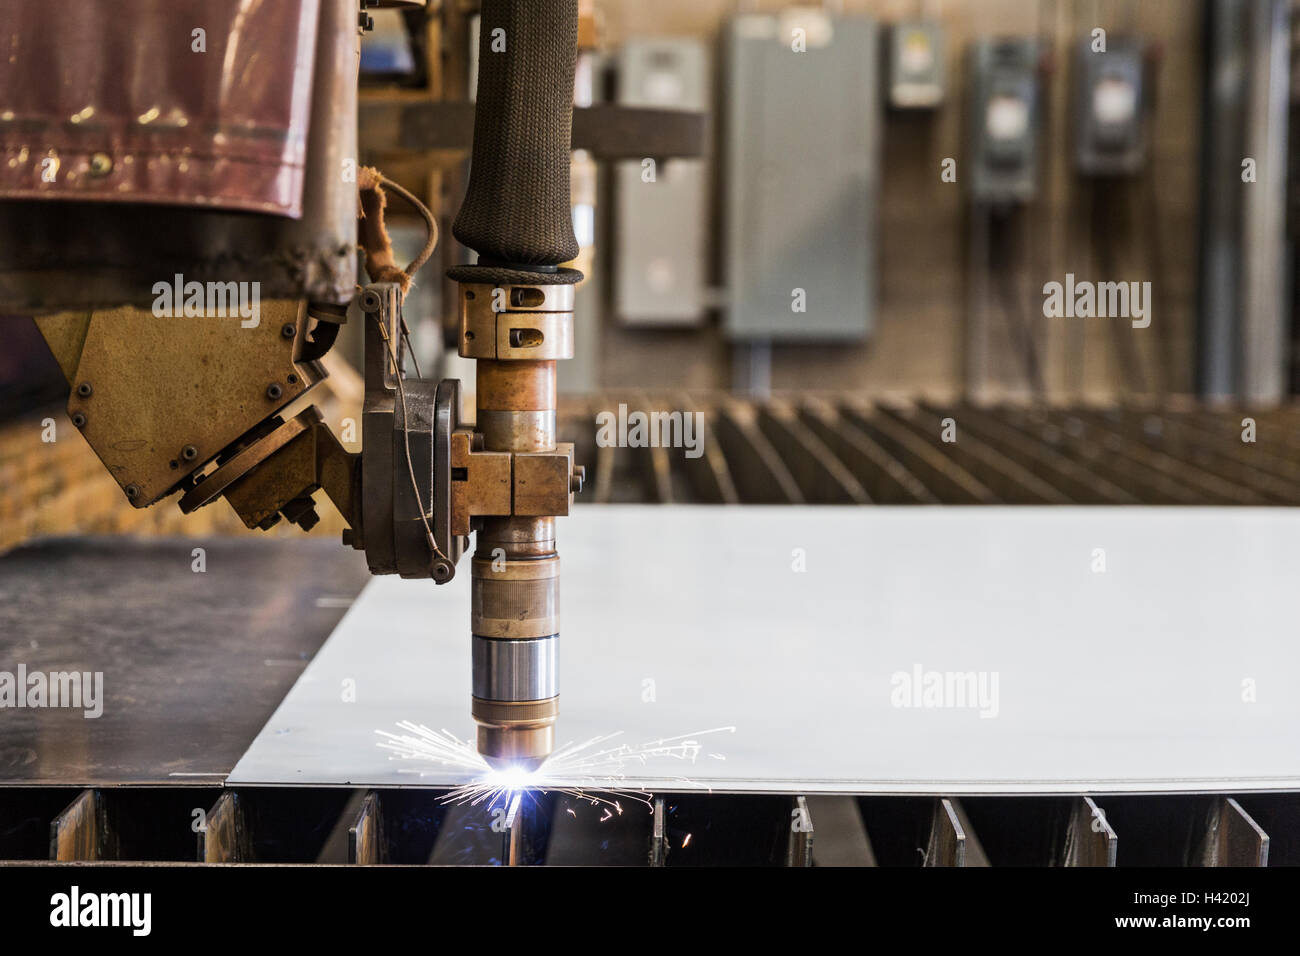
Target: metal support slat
659, 835
337, 844
760, 474
952, 840
841, 835
1067, 434
1271, 452
953, 483
885, 478
658, 472
1231, 459
1232, 838
1089, 838
83, 832
799, 851
225, 837
822, 477
514, 846
1140, 447
1008, 478
1279, 815
603, 481
1082, 484
366, 841
1176, 479
708, 474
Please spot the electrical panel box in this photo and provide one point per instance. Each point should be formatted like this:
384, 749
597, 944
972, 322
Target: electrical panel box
1004, 120
1110, 132
916, 70
661, 206
800, 173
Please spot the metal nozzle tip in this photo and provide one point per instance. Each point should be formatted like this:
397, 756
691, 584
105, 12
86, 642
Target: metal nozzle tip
520, 748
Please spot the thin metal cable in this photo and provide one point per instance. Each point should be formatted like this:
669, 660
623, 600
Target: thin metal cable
406, 435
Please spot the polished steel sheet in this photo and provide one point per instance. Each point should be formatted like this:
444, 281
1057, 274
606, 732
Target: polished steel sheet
1175, 668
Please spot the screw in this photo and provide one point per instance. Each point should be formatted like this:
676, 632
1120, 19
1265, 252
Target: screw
579, 476
189, 453
371, 301
288, 330
101, 164
79, 419
274, 391
133, 491
441, 571
84, 390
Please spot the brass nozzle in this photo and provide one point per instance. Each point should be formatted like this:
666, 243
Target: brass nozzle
516, 734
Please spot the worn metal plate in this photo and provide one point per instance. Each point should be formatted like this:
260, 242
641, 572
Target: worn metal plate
1173, 669
192, 663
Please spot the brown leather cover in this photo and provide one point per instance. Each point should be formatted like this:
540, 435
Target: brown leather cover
81, 252
114, 99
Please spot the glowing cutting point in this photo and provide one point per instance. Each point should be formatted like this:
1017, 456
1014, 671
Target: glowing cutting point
511, 777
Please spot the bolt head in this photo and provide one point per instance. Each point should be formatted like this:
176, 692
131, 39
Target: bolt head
85, 390
133, 491
189, 453
288, 330
79, 419
274, 391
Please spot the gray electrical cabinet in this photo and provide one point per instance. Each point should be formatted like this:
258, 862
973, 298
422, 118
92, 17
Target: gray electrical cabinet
800, 176
1004, 119
1110, 132
661, 205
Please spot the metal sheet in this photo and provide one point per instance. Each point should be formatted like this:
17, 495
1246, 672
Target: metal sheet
192, 664
1171, 670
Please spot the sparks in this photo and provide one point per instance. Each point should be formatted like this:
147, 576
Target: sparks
594, 771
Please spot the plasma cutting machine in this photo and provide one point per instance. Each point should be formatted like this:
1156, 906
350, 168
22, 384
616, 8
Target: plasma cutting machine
199, 405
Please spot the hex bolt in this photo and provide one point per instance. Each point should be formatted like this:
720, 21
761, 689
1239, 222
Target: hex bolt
274, 391
84, 390
133, 491
189, 453
79, 419
288, 330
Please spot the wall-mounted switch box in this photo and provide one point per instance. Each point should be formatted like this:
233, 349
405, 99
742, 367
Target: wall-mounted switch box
1110, 129
916, 70
661, 206
800, 176
1004, 119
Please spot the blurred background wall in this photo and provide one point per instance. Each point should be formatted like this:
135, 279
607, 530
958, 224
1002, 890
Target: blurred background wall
942, 295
